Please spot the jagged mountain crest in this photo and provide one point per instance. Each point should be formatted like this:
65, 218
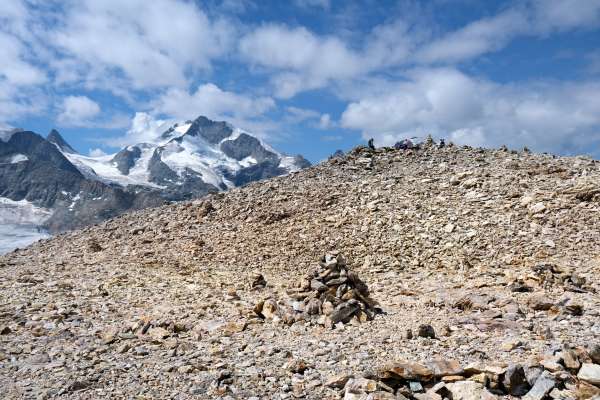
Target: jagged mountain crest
55, 138
187, 160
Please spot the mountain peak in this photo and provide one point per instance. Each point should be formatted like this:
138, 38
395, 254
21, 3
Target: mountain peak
55, 138
212, 131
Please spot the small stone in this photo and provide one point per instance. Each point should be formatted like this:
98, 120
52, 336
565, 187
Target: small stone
408, 334
266, 309
232, 294
415, 386
590, 373
356, 387
124, 348
540, 303
468, 390
584, 390
551, 363
511, 344
426, 331
317, 285
233, 327
425, 396
185, 369
537, 208
109, 336
258, 281
338, 381
297, 366
449, 228
515, 381
595, 353
158, 334
140, 351
543, 385
94, 246
453, 378
444, 367
532, 373
38, 331
313, 307
574, 308
344, 311
570, 359
204, 209
407, 370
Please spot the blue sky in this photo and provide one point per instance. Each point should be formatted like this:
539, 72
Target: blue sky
309, 76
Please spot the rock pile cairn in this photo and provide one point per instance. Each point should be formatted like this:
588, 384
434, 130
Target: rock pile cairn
330, 295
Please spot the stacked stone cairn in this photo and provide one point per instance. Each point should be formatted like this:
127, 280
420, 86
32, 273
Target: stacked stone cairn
330, 295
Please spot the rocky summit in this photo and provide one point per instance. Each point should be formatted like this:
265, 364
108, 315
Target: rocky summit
430, 273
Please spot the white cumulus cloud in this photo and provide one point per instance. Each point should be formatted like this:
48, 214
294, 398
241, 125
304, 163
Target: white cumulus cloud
146, 44
213, 102
77, 111
553, 116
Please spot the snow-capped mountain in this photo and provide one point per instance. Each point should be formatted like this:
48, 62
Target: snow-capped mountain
175, 161
210, 153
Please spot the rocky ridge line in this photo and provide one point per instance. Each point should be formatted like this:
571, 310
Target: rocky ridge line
483, 261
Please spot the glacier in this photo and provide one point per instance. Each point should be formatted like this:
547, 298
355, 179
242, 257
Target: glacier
20, 224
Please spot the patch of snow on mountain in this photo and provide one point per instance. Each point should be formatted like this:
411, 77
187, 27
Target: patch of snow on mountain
20, 223
139, 172
74, 201
102, 168
17, 158
183, 128
248, 161
198, 155
289, 163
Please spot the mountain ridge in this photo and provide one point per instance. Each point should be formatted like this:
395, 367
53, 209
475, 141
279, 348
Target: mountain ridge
188, 159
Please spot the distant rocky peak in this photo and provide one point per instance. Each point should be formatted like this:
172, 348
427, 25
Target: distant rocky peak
6, 134
55, 138
301, 162
247, 146
212, 131
126, 158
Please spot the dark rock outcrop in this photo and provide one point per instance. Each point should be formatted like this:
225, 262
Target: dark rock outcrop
126, 158
212, 131
55, 138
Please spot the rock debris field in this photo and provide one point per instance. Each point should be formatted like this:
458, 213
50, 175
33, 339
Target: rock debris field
429, 274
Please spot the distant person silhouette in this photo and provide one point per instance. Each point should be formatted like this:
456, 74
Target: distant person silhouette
370, 144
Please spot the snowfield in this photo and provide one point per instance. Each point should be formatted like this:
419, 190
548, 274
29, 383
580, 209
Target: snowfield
20, 221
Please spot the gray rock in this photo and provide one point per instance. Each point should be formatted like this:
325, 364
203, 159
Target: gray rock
543, 385
532, 373
344, 311
595, 353
126, 158
515, 380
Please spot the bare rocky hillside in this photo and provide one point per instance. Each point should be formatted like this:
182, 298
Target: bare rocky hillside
423, 274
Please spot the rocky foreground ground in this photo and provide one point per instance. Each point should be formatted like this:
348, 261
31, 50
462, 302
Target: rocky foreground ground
425, 274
